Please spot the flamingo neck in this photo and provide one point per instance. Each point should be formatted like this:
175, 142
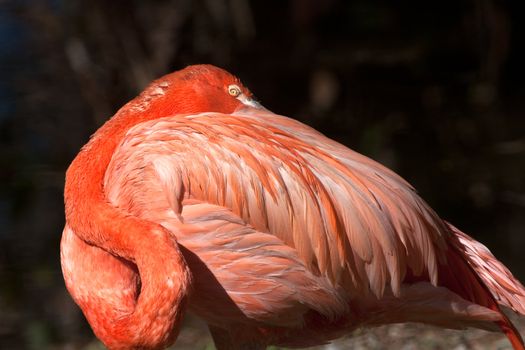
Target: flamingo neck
164, 275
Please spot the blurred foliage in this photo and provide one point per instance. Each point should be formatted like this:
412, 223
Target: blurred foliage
434, 89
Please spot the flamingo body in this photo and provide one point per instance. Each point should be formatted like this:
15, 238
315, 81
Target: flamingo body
195, 197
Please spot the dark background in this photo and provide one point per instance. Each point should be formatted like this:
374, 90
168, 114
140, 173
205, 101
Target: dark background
433, 89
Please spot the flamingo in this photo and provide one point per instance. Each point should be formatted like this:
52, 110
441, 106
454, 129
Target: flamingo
195, 198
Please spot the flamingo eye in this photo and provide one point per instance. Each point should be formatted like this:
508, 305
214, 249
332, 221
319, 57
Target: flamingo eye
234, 90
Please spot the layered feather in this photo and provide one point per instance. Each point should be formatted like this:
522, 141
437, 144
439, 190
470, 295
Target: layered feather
349, 218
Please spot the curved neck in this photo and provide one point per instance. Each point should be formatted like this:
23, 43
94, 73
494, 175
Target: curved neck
88, 212
165, 277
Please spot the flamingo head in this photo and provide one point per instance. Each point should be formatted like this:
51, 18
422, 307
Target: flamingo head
196, 89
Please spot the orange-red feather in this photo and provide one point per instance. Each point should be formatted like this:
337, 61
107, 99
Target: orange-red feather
273, 232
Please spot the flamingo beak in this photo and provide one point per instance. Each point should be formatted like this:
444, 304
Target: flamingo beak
250, 102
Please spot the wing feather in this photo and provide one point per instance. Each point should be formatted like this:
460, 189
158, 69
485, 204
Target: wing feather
348, 217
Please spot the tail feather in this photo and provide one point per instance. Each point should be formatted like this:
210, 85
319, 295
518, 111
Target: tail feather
504, 287
484, 280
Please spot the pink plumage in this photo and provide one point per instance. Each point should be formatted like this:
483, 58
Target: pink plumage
194, 198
